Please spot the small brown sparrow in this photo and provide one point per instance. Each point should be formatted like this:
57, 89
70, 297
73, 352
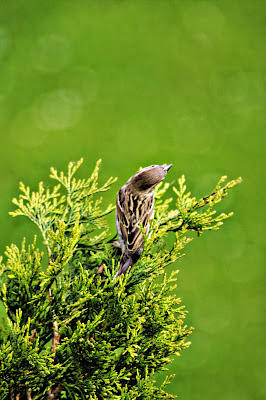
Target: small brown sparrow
134, 206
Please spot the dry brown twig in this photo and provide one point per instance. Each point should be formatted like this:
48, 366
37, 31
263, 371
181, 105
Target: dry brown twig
28, 394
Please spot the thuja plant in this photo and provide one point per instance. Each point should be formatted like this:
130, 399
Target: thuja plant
69, 330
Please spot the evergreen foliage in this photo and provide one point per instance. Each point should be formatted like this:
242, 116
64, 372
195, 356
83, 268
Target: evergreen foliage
70, 331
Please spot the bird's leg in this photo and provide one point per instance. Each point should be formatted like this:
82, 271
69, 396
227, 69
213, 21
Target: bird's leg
117, 245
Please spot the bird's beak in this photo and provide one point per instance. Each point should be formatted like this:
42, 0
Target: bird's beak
167, 167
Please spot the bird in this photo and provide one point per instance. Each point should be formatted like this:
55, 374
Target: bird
135, 206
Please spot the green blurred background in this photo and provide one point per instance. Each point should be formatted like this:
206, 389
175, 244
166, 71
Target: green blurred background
143, 82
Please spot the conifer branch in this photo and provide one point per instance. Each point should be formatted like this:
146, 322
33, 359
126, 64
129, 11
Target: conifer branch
10, 393
113, 337
56, 335
52, 394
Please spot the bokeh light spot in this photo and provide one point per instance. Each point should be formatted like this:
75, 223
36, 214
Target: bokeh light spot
51, 53
249, 268
23, 131
195, 135
7, 79
213, 312
83, 80
237, 395
58, 110
203, 20
237, 89
4, 40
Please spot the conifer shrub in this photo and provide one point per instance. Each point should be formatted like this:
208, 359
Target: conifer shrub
69, 331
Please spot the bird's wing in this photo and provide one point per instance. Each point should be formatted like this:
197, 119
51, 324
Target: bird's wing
130, 212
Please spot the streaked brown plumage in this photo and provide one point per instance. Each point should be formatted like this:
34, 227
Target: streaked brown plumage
135, 205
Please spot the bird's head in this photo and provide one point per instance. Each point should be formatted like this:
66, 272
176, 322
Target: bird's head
147, 178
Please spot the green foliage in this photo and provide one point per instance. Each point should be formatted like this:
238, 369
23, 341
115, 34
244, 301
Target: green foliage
71, 331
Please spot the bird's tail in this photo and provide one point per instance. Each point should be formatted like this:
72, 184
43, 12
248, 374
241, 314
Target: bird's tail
127, 260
